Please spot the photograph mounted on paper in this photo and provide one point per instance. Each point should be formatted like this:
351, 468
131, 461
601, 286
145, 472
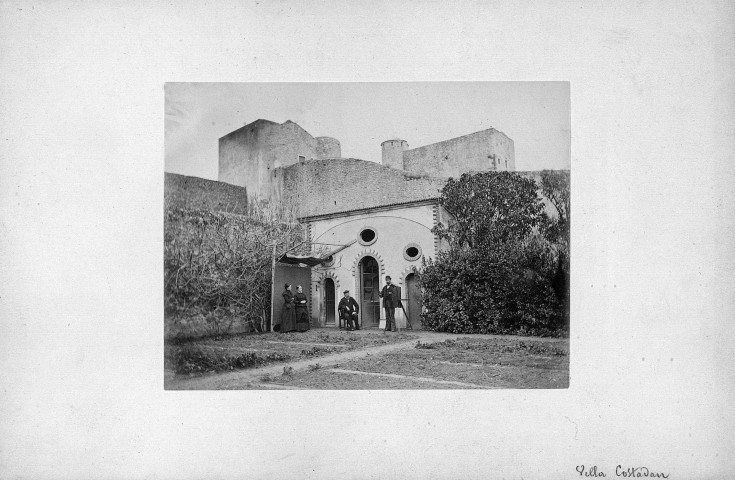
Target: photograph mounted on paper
367, 235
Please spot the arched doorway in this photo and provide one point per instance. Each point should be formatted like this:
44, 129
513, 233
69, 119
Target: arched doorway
413, 294
329, 301
369, 280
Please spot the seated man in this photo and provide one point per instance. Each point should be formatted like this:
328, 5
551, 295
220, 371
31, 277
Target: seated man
348, 310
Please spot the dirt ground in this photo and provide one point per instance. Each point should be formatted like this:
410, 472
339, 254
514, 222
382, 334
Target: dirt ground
373, 360
461, 363
274, 348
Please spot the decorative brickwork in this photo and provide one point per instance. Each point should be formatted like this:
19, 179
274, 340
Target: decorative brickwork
436, 222
404, 273
368, 253
321, 276
307, 248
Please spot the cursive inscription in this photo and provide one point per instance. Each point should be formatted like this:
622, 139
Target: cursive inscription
620, 471
638, 472
590, 472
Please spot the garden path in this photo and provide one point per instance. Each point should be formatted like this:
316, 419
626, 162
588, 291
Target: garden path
242, 379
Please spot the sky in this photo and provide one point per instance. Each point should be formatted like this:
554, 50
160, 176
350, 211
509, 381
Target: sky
536, 115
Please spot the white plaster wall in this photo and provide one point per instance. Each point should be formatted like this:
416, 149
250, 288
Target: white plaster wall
395, 229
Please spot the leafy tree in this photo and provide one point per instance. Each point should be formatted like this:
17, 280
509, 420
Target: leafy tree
489, 207
555, 187
496, 275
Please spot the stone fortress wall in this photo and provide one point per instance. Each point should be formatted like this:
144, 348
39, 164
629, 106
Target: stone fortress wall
328, 147
284, 163
181, 191
319, 187
476, 152
248, 156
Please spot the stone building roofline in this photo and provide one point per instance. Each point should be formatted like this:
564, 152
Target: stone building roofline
325, 161
380, 208
269, 122
260, 120
491, 129
263, 120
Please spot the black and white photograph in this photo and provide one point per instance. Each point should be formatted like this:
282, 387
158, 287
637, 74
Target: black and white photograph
358, 259
332, 240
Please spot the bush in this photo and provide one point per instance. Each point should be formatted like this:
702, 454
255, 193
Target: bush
316, 351
500, 275
217, 268
503, 290
192, 359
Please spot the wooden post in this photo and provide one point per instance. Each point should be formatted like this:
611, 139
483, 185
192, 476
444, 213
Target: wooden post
273, 280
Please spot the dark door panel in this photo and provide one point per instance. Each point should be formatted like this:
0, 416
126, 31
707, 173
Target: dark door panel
369, 292
329, 302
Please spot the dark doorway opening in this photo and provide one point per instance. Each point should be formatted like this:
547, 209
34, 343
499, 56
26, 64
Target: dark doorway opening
369, 277
329, 303
413, 293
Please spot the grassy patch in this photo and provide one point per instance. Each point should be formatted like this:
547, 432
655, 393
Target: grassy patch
192, 359
489, 362
496, 346
316, 351
220, 353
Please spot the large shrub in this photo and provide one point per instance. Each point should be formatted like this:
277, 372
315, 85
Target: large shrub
499, 290
497, 274
217, 268
555, 186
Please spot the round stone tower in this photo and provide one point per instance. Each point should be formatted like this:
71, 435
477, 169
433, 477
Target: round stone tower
328, 147
393, 153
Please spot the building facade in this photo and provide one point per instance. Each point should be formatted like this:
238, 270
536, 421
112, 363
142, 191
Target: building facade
380, 216
386, 240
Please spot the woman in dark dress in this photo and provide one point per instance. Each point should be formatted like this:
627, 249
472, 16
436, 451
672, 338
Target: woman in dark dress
302, 311
288, 316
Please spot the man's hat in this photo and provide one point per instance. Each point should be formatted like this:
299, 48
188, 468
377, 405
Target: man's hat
388, 276
346, 291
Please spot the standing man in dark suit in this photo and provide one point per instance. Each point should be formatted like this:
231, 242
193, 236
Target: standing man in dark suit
348, 310
391, 296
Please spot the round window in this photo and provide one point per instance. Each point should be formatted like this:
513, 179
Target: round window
412, 252
368, 236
